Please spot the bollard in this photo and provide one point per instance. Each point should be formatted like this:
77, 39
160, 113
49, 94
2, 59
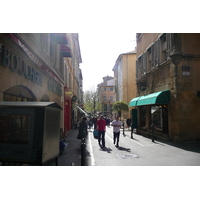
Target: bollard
131, 133
152, 129
123, 130
83, 145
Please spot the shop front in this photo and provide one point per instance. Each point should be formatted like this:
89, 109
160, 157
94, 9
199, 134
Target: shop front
152, 111
24, 76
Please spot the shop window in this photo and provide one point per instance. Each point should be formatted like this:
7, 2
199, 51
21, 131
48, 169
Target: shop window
18, 93
159, 116
14, 129
45, 98
10, 97
156, 112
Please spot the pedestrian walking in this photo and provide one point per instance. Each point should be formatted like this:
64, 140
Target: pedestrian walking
90, 124
101, 127
83, 129
94, 122
108, 122
116, 130
128, 122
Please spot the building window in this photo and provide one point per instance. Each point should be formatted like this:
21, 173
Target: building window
105, 98
104, 89
44, 41
105, 107
111, 89
141, 65
163, 43
149, 59
111, 98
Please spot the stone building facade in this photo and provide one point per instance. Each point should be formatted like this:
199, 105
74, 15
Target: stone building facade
168, 85
107, 96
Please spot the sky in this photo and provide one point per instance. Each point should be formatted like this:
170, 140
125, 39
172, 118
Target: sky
99, 51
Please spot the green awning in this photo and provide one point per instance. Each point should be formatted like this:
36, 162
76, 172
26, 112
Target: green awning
162, 97
133, 102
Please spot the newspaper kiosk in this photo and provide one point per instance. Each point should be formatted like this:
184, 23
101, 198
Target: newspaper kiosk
29, 133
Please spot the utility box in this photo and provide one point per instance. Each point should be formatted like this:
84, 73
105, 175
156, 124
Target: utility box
29, 133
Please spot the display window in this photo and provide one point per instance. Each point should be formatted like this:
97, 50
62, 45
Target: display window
14, 129
159, 117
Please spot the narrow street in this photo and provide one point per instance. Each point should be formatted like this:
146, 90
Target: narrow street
140, 151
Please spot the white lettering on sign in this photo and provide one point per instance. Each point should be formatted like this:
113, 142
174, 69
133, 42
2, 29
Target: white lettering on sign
54, 88
16, 64
30, 54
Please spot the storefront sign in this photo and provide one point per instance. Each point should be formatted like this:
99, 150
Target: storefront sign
35, 59
54, 88
16, 64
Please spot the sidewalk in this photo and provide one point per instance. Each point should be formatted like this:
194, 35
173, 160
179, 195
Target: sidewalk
72, 155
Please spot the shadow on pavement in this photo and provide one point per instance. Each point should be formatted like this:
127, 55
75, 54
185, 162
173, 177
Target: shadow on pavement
124, 149
105, 149
193, 146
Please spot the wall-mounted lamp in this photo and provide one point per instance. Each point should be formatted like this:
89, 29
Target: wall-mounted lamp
176, 56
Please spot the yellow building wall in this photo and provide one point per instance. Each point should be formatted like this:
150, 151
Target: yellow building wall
129, 80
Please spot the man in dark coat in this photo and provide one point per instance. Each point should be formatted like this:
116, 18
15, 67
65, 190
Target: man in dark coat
128, 122
83, 128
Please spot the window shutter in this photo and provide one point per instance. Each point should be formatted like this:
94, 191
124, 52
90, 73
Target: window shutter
158, 51
153, 56
141, 65
144, 63
169, 46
